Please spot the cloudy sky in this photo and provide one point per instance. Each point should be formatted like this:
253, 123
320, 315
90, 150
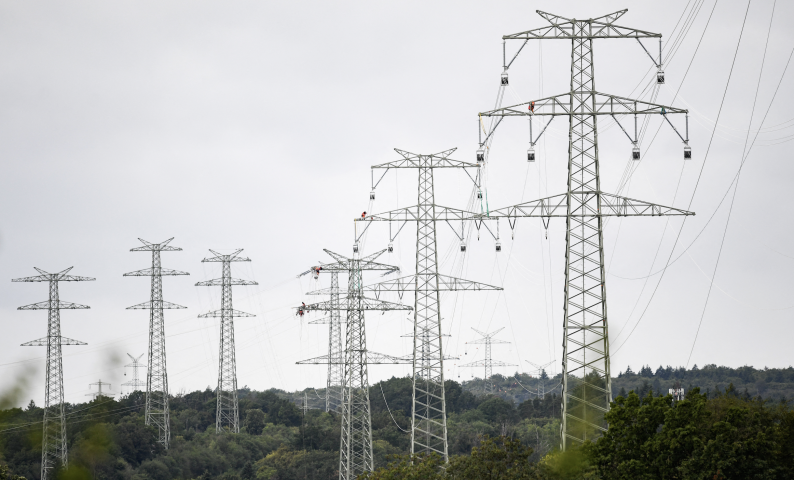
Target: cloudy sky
253, 125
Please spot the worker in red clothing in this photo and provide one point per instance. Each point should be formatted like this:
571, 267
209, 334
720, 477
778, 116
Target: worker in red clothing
532, 107
363, 215
300, 309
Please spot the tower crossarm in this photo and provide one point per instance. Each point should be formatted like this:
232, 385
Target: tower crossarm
408, 284
42, 342
156, 247
225, 314
414, 160
373, 358
416, 213
219, 282
232, 257
364, 263
603, 104
325, 321
611, 206
60, 277
364, 302
568, 29
157, 304
152, 272
54, 304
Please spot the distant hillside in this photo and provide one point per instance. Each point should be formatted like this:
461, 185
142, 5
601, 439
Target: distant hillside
108, 439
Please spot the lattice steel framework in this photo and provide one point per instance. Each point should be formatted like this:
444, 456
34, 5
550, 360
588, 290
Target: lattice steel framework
157, 411
227, 415
428, 410
335, 380
99, 392
586, 372
136, 381
355, 449
488, 364
53, 444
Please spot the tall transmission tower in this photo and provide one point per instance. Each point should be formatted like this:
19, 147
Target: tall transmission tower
227, 413
428, 410
157, 412
136, 382
487, 364
336, 369
586, 383
53, 443
541, 370
99, 392
355, 450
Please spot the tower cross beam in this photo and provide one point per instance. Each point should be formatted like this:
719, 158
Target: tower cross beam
572, 29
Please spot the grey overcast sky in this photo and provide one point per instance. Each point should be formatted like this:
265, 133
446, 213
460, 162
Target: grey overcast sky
253, 125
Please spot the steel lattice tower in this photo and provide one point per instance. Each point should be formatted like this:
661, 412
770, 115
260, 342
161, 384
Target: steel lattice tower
136, 381
488, 364
541, 369
335, 380
428, 411
227, 414
53, 443
99, 392
586, 381
355, 450
157, 410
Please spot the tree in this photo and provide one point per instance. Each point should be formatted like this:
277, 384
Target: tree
502, 458
498, 410
255, 421
4, 475
724, 437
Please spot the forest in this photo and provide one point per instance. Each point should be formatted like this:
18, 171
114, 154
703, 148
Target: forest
731, 419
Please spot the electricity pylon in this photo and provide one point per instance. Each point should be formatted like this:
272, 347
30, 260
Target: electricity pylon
428, 410
99, 392
355, 450
541, 369
135, 365
336, 371
488, 364
157, 411
586, 384
227, 413
53, 442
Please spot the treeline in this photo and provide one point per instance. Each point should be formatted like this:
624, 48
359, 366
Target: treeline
728, 435
107, 437
769, 383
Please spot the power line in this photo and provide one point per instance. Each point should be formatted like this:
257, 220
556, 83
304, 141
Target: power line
736, 187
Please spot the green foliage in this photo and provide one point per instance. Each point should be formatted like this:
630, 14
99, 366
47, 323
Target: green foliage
5, 475
405, 467
501, 458
510, 434
255, 421
728, 436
